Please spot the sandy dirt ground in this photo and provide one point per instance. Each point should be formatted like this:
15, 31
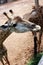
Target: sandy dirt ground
19, 45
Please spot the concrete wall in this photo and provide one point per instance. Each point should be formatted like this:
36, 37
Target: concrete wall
5, 1
10, 0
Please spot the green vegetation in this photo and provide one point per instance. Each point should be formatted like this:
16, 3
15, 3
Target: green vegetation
35, 60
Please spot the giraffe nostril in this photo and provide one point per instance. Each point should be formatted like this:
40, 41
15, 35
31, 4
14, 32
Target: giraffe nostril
33, 25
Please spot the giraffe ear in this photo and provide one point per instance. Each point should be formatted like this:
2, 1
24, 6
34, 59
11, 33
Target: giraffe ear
4, 26
11, 11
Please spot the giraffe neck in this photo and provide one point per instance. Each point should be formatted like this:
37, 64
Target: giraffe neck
3, 36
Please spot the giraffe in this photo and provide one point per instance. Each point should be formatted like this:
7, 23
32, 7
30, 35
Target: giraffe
36, 16
35, 38
18, 25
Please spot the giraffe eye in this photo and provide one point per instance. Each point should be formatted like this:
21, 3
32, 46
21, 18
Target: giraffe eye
14, 25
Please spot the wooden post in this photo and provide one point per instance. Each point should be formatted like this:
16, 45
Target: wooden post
35, 44
36, 3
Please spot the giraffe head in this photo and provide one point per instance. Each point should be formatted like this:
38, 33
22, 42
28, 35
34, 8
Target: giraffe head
20, 25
